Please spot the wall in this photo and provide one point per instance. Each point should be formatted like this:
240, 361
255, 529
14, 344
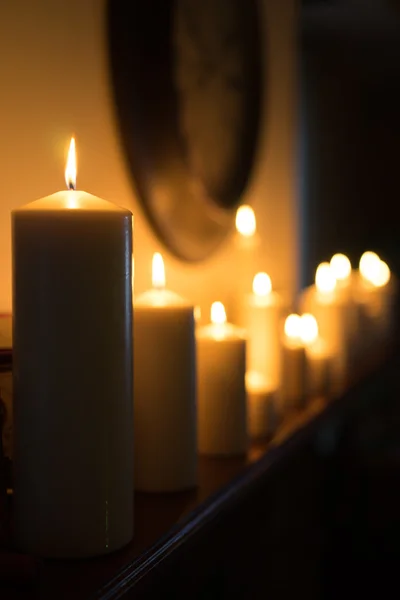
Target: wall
54, 82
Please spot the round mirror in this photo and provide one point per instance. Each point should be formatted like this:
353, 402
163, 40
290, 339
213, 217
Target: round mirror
186, 76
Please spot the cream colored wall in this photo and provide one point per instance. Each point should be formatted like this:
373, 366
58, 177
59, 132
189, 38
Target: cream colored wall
54, 82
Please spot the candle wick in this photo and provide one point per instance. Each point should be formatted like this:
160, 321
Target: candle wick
71, 186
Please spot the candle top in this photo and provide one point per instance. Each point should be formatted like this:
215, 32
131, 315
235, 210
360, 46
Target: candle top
71, 200
219, 329
161, 298
258, 383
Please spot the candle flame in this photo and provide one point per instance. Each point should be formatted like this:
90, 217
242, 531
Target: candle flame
369, 266
308, 328
340, 266
218, 314
70, 169
382, 275
262, 285
245, 221
325, 280
158, 271
293, 327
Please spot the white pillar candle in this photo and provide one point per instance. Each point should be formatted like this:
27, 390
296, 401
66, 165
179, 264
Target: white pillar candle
334, 316
292, 390
221, 365
165, 389
262, 317
261, 406
72, 338
318, 357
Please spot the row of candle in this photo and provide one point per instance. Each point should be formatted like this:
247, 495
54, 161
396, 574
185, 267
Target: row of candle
74, 373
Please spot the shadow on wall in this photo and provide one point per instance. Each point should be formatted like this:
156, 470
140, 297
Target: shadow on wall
350, 143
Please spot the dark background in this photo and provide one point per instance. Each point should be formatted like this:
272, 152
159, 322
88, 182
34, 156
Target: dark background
349, 142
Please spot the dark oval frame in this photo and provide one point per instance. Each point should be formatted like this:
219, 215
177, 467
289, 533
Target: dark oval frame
188, 221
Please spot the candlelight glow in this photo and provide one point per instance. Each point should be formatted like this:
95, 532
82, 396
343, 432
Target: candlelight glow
325, 280
197, 313
262, 285
370, 266
340, 266
245, 221
293, 326
218, 314
309, 328
256, 381
158, 271
382, 275
70, 169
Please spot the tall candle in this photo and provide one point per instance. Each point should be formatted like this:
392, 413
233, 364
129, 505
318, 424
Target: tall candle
72, 346
262, 315
292, 390
221, 365
165, 388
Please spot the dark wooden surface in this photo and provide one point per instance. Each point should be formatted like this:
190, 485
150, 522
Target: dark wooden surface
254, 525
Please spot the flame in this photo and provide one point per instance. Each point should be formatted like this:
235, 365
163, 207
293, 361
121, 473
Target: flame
245, 221
158, 271
382, 275
340, 266
369, 266
218, 314
325, 280
308, 328
70, 169
262, 285
293, 327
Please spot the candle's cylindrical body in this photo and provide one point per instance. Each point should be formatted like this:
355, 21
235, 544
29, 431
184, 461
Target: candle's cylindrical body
222, 418
319, 377
292, 389
165, 393
262, 319
261, 412
72, 346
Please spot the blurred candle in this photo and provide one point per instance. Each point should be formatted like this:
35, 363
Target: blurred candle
292, 388
72, 352
165, 388
221, 364
261, 408
246, 242
262, 314
317, 356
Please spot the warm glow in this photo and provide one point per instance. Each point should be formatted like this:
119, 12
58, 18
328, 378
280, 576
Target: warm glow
325, 280
370, 266
197, 313
256, 381
262, 284
70, 169
340, 266
218, 314
158, 271
382, 275
245, 221
293, 327
309, 328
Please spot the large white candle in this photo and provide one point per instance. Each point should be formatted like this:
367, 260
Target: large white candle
72, 338
261, 406
262, 315
292, 390
221, 365
165, 388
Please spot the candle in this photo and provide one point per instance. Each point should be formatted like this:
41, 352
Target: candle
292, 389
318, 376
246, 248
375, 294
261, 410
221, 365
165, 388
73, 421
335, 318
262, 319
